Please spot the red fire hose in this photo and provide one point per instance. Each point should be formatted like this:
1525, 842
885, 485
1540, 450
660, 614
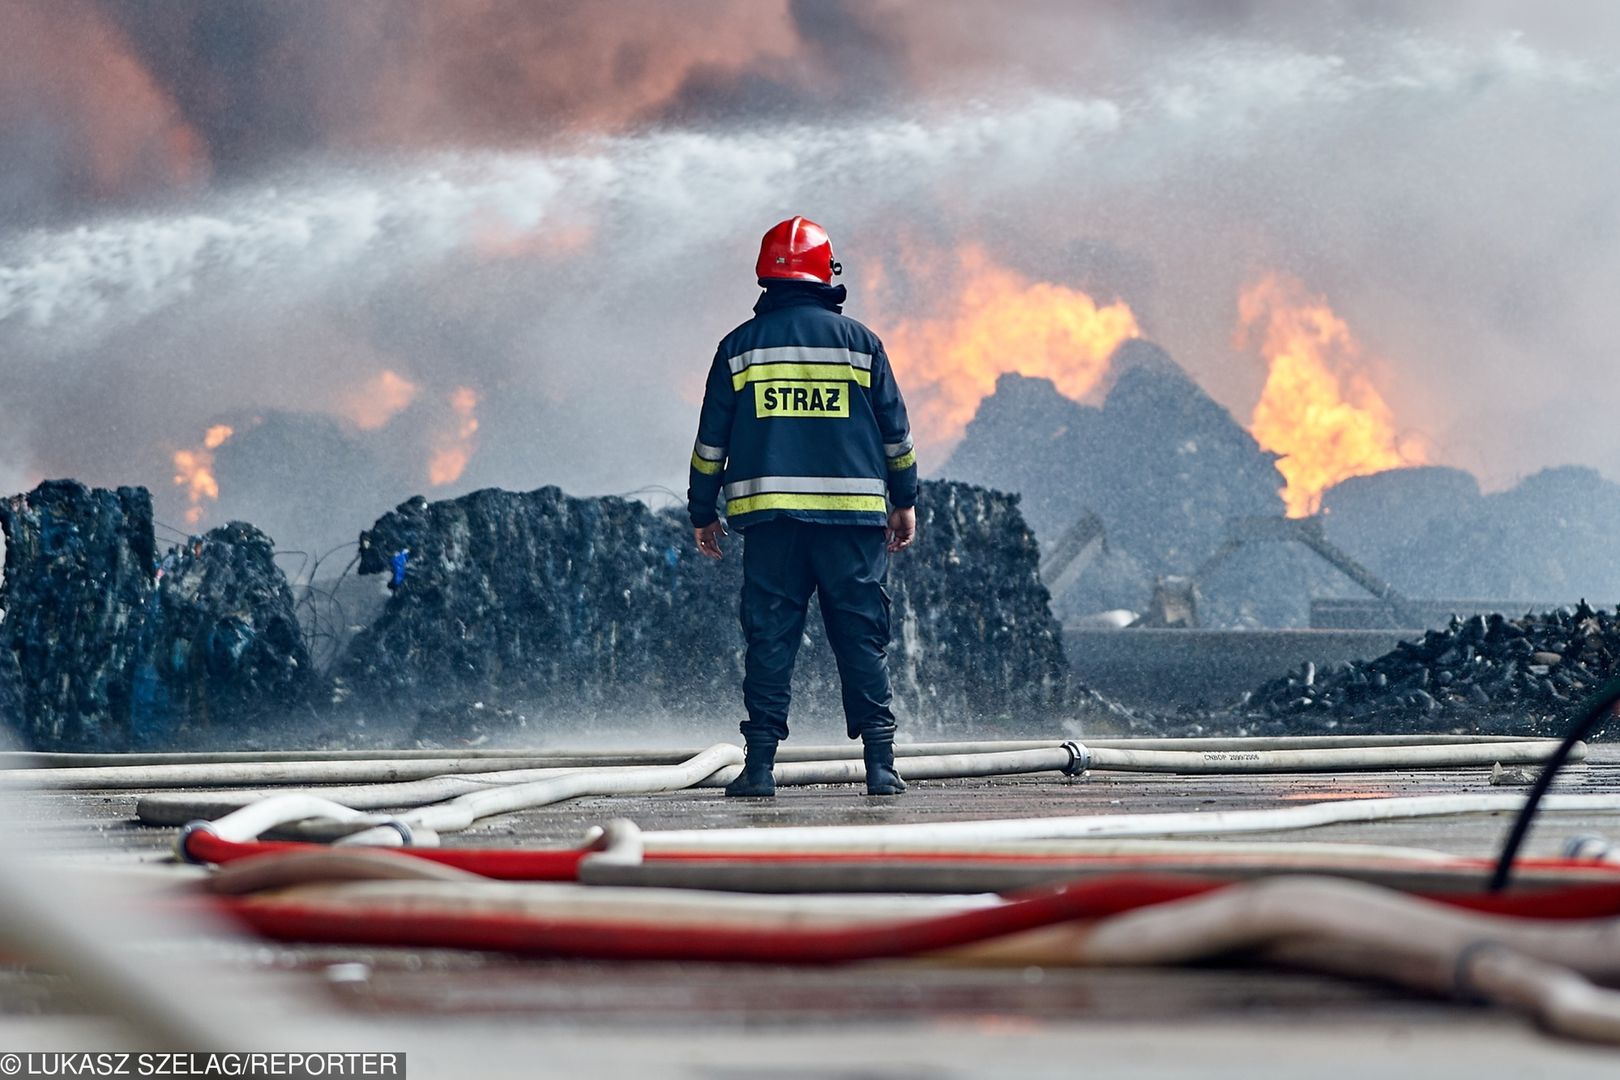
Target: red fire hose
200, 845
343, 923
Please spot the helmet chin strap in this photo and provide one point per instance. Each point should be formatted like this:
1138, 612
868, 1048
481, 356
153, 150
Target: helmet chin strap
837, 268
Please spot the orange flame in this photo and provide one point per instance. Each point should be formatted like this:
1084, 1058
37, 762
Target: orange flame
1318, 409
194, 471
378, 400
455, 450
1002, 322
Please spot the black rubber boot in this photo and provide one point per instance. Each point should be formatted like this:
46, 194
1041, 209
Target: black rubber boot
755, 781
881, 777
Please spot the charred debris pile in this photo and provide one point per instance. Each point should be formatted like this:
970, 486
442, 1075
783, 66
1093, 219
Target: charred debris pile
549, 608
509, 610
517, 614
109, 643
1526, 675
1159, 470
1431, 532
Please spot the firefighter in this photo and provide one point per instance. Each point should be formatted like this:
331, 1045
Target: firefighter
804, 432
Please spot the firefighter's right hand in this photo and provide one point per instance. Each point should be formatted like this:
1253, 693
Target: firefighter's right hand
708, 539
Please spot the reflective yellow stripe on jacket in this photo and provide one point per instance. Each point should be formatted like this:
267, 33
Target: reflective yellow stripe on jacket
805, 493
800, 362
900, 455
707, 459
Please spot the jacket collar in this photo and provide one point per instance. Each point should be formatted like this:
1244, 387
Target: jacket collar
785, 294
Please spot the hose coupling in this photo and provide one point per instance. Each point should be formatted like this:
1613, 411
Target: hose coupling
1079, 759
1587, 847
618, 842
406, 837
182, 843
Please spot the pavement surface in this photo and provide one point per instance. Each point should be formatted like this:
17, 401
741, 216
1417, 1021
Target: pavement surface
482, 1014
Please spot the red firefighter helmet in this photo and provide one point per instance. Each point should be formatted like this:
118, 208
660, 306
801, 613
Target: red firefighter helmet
796, 250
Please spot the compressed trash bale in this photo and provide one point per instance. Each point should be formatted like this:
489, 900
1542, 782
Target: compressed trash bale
227, 645
79, 596
468, 723
570, 609
973, 637
536, 596
117, 651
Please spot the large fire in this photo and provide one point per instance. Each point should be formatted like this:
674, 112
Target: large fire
1318, 409
1001, 322
194, 471
455, 448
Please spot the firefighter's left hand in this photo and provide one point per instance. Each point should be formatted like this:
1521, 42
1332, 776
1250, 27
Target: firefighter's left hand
902, 528
708, 539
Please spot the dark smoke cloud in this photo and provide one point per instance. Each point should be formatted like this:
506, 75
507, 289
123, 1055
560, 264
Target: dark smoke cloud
255, 81
81, 117
114, 98
217, 211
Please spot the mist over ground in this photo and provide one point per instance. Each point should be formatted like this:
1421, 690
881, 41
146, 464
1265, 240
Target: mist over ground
430, 247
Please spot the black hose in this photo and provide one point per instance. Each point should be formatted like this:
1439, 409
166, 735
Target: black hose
1599, 705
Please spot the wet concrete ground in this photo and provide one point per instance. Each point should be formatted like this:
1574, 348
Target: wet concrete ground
102, 824
893, 1019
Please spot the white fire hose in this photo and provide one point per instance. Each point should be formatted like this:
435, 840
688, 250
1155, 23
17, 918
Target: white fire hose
1304, 754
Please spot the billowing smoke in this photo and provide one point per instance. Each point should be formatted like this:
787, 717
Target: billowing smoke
400, 247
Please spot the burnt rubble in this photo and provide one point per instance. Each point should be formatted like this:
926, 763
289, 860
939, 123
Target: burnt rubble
1431, 532
512, 611
1168, 472
115, 649
522, 616
1161, 463
544, 607
1164, 467
1526, 675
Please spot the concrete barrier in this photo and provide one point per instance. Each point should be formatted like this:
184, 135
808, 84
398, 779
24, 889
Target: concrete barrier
1163, 669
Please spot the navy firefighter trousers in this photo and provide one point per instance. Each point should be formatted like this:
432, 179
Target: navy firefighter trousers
784, 561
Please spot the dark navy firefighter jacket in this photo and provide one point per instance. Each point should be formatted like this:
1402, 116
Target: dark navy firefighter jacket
801, 418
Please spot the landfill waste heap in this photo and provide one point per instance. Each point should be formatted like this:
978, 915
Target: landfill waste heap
115, 647
514, 614
1161, 468
508, 609
1432, 532
548, 608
